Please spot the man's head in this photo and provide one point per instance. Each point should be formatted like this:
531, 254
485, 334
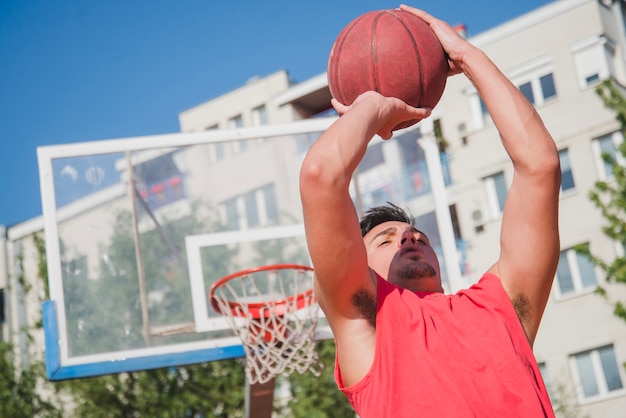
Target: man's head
398, 251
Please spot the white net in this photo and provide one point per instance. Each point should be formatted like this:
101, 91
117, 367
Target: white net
274, 312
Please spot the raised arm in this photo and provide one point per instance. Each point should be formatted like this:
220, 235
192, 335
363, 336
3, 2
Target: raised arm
529, 239
331, 222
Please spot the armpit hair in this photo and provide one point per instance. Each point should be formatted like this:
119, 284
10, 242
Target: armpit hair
522, 307
365, 302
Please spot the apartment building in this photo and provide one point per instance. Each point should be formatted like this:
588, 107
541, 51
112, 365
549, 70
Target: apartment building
556, 55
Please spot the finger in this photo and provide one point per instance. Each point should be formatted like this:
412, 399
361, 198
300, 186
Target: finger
419, 13
339, 107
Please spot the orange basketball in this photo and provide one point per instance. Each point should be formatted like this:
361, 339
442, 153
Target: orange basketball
389, 51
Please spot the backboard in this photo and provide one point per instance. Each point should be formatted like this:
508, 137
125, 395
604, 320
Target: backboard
138, 229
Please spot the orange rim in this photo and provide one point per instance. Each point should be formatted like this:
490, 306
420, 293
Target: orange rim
258, 309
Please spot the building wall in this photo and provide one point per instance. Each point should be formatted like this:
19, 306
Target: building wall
545, 39
241, 101
572, 324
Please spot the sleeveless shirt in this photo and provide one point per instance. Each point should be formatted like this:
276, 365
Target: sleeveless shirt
461, 355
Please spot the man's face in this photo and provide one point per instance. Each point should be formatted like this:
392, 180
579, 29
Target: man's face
403, 255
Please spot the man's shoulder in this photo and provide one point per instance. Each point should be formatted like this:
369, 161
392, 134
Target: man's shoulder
489, 286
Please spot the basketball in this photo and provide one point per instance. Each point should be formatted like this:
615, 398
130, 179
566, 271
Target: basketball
389, 51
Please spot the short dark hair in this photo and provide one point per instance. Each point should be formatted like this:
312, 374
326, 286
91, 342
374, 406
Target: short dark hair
379, 214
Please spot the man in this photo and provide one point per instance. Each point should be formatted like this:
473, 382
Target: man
405, 349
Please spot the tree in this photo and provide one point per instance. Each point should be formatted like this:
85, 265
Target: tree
318, 397
214, 389
19, 396
20, 384
610, 197
104, 314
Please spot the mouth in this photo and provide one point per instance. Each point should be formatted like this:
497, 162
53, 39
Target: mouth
414, 252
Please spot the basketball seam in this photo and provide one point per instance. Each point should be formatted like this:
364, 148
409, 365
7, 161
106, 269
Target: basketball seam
373, 50
418, 55
335, 71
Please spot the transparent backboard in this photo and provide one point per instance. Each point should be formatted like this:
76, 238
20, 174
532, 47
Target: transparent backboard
138, 229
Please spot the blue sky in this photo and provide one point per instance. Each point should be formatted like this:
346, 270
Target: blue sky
73, 71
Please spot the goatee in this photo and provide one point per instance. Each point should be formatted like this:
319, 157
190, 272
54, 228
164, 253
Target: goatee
416, 270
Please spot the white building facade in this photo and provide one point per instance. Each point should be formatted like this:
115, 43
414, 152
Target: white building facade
556, 55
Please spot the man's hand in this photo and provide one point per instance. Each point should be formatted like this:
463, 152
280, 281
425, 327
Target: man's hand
453, 44
393, 113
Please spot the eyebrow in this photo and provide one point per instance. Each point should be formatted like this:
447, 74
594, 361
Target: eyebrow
387, 231
391, 230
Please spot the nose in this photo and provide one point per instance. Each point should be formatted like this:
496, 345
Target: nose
407, 237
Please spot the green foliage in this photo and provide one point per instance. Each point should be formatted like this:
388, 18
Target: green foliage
564, 401
213, 389
610, 196
42, 266
19, 396
20, 384
106, 312
318, 397
103, 313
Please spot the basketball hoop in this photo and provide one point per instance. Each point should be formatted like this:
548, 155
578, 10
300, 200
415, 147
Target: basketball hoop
273, 310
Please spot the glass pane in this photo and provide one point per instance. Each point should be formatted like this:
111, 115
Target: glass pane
564, 275
527, 91
483, 109
501, 189
219, 150
587, 271
262, 115
567, 177
232, 215
547, 86
592, 79
607, 147
79, 177
252, 214
587, 375
270, 202
610, 368
125, 221
546, 378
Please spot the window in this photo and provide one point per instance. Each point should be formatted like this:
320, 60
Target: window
496, 189
216, 150
536, 81
2, 317
567, 178
373, 157
231, 213
527, 91
237, 122
593, 58
259, 116
547, 86
254, 208
607, 145
575, 273
480, 115
539, 89
159, 182
547, 380
597, 372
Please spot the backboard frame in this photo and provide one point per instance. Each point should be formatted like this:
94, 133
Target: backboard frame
59, 364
